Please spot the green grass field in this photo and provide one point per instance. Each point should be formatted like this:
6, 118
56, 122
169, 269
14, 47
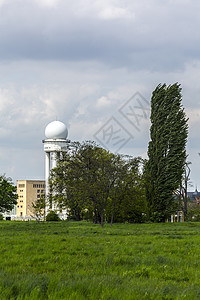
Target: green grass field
69, 260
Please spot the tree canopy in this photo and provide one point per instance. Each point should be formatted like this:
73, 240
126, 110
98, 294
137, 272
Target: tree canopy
8, 194
99, 185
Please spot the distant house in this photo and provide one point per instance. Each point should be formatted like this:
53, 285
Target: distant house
194, 196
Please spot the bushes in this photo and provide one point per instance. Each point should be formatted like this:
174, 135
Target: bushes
52, 216
193, 213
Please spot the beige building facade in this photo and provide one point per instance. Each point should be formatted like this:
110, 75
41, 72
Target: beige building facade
29, 192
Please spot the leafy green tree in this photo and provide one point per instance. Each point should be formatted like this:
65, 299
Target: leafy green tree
193, 214
39, 208
67, 185
166, 150
83, 180
128, 194
8, 194
113, 211
134, 204
95, 183
183, 191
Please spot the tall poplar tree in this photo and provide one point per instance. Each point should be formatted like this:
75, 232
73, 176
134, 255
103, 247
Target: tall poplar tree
166, 150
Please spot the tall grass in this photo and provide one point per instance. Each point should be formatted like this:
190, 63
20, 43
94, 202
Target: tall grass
69, 260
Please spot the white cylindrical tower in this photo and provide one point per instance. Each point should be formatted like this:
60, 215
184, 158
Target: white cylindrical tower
56, 141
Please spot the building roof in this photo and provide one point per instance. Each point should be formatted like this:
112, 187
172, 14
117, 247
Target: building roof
194, 195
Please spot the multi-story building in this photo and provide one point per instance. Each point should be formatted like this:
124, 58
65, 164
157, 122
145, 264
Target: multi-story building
29, 192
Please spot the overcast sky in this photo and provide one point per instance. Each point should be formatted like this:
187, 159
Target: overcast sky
93, 65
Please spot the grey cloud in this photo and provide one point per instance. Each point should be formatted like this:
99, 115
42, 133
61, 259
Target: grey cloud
159, 37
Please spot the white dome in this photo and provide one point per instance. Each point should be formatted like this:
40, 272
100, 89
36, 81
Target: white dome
56, 130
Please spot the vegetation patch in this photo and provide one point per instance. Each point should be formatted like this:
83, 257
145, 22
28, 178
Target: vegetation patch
80, 260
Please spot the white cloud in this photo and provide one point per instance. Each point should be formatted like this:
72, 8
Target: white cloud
107, 10
2, 2
48, 3
112, 12
103, 102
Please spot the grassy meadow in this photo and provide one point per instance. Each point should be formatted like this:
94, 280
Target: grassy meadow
80, 260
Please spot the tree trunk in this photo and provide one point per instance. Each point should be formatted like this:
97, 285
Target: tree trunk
102, 223
77, 215
112, 216
95, 216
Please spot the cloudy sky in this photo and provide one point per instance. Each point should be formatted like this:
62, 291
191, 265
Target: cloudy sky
93, 65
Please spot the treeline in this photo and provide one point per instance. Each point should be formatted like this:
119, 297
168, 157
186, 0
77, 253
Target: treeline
97, 185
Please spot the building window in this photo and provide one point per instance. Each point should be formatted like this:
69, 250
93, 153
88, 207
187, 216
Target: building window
38, 191
39, 186
21, 185
21, 206
38, 196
